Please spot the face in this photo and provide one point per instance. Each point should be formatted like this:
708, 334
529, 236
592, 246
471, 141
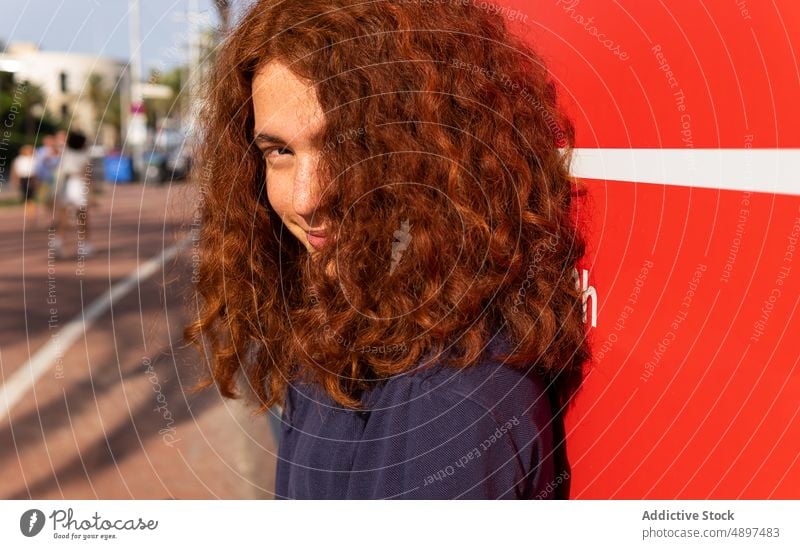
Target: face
51, 144
288, 122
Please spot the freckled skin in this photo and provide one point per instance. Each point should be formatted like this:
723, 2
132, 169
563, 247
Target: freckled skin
286, 107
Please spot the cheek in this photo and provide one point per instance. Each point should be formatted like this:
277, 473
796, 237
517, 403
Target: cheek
279, 194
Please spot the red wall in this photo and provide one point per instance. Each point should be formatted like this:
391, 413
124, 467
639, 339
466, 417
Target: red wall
687, 398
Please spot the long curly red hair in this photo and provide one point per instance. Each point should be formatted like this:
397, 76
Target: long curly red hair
446, 160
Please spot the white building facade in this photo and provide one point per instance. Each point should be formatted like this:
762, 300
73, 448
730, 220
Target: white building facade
64, 79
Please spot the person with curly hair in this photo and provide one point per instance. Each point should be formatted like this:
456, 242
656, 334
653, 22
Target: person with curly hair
387, 244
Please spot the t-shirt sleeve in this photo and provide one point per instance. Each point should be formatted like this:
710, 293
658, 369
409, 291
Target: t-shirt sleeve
442, 445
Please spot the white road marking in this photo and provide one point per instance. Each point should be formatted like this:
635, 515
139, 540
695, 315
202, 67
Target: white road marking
21, 381
757, 170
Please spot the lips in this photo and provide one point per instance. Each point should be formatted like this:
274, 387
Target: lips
317, 238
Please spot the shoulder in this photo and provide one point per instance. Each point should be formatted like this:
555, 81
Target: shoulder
486, 403
489, 386
483, 431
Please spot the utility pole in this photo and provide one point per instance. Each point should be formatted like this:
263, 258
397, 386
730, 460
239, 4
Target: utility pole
137, 127
192, 17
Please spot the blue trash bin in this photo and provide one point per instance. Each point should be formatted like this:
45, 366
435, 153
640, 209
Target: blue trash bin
118, 169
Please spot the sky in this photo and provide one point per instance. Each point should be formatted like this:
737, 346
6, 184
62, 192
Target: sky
100, 27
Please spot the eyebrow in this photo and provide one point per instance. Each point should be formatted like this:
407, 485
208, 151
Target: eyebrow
268, 138
262, 138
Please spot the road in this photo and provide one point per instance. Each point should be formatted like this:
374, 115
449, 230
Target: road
95, 372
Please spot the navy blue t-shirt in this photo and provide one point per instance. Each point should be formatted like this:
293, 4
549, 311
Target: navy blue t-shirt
485, 432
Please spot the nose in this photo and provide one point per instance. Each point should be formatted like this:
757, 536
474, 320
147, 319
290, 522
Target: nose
305, 195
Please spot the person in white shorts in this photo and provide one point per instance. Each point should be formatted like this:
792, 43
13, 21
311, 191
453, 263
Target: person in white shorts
71, 192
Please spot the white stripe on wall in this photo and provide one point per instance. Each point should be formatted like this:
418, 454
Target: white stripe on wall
756, 170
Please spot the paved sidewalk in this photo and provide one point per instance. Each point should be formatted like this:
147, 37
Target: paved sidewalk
110, 416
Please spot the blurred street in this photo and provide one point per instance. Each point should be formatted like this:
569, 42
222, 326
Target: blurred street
105, 413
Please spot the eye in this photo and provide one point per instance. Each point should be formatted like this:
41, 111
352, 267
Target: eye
271, 154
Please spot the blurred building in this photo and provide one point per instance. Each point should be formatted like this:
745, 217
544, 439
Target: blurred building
79, 89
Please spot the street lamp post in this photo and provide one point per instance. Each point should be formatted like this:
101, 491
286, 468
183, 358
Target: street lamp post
137, 125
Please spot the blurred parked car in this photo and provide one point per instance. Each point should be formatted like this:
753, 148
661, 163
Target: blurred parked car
179, 163
155, 167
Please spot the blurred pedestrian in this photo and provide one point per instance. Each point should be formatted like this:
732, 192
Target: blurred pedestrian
23, 173
71, 192
61, 139
46, 161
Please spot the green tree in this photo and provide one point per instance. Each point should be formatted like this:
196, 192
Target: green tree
98, 96
176, 79
22, 109
105, 103
22, 117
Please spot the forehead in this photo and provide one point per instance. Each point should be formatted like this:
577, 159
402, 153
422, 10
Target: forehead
285, 105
